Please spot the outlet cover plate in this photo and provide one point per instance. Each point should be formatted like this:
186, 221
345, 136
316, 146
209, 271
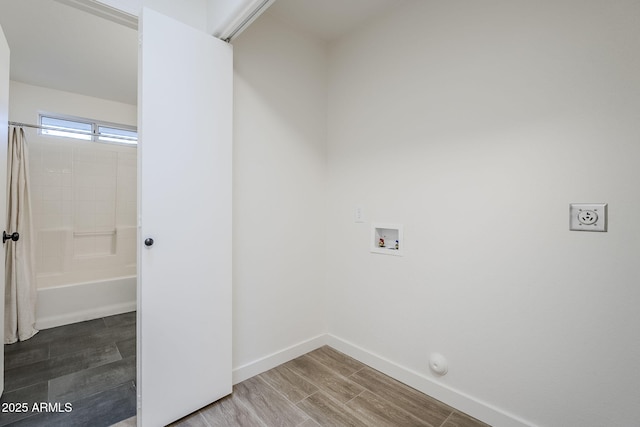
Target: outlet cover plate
588, 216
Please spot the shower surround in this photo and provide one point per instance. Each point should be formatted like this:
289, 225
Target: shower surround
84, 215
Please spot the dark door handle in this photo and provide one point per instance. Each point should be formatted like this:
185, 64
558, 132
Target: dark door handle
148, 241
14, 236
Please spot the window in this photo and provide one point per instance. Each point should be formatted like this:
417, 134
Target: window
88, 130
61, 127
112, 134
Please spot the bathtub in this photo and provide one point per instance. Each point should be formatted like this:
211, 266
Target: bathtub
64, 304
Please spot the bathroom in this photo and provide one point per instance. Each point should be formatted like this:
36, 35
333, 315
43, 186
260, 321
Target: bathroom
83, 199
83, 188
83, 196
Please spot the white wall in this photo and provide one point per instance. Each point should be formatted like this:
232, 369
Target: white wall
190, 12
27, 101
279, 192
475, 124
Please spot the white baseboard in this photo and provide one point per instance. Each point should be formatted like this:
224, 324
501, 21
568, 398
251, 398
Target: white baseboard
457, 399
452, 397
263, 364
81, 316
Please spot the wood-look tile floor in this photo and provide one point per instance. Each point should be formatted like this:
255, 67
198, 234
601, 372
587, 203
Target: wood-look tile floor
324, 388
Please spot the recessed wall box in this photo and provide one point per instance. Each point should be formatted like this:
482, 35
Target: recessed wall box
387, 239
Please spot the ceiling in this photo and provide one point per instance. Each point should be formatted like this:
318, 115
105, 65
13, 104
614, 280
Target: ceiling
330, 19
54, 44
57, 46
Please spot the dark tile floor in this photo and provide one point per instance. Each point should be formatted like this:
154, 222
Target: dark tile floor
324, 388
86, 371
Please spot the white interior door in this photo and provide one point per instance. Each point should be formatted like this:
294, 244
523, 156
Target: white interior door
4, 137
184, 290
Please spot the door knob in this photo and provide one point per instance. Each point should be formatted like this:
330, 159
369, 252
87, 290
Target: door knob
14, 236
148, 241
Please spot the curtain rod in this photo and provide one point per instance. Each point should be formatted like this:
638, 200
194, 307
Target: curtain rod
79, 132
20, 125
27, 125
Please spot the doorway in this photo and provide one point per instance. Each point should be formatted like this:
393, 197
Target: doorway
184, 216
67, 62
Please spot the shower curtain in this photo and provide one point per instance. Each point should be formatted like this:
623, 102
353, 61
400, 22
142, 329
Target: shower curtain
20, 284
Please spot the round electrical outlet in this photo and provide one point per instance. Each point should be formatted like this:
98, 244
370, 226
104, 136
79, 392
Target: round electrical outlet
587, 217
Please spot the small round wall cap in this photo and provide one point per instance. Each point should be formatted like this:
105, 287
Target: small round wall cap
438, 364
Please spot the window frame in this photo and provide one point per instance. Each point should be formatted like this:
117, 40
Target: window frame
93, 136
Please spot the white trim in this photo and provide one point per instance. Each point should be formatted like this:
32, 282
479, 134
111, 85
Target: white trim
123, 12
450, 396
272, 360
459, 400
226, 20
81, 316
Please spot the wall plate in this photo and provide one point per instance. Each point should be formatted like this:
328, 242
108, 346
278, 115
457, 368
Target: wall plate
588, 216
